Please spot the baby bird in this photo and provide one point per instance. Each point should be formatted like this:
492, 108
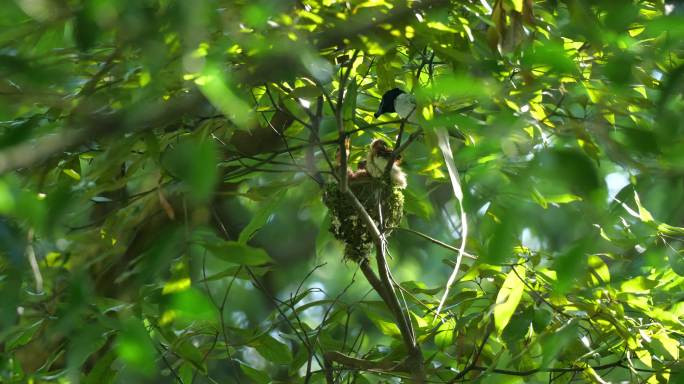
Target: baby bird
376, 163
361, 172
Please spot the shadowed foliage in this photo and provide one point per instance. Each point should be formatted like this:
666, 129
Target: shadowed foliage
179, 187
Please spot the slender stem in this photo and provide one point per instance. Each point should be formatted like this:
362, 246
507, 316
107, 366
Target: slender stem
433, 240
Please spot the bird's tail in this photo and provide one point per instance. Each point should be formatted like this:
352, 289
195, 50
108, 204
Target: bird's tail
445, 148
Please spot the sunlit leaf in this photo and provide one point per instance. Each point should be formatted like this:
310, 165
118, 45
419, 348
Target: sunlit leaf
600, 274
553, 55
445, 334
214, 83
508, 298
135, 348
191, 304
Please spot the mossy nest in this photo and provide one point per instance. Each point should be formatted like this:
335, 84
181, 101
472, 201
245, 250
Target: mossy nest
345, 222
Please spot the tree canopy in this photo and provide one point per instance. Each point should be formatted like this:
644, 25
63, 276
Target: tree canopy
176, 176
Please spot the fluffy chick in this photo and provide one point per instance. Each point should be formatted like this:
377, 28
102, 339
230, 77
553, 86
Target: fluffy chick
376, 162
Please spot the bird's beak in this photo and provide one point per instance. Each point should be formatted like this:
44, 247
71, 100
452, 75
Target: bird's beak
379, 111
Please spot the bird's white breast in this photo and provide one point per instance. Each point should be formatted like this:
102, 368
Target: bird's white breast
404, 104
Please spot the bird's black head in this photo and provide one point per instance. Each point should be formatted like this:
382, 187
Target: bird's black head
387, 102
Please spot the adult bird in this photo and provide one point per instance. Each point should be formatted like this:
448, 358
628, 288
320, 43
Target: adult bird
404, 105
396, 100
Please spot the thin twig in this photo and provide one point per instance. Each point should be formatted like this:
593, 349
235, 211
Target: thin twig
433, 240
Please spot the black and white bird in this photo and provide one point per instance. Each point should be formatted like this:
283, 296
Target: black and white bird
396, 100
404, 105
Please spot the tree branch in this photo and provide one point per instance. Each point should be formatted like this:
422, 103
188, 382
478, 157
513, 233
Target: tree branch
415, 361
138, 118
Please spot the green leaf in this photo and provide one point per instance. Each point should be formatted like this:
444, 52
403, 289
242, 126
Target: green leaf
562, 198
24, 336
84, 343
517, 5
214, 84
554, 343
102, 372
502, 239
193, 305
639, 284
194, 161
349, 104
135, 348
386, 326
7, 202
550, 54
568, 266
518, 327
567, 170
670, 346
260, 217
644, 214
272, 350
508, 298
677, 373
455, 87
677, 263
238, 253
600, 274
417, 204
256, 375
670, 230
385, 71
542, 318
186, 372
419, 287
444, 337
71, 173
191, 354
240, 272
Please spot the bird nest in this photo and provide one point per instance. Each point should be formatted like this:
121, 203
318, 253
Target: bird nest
346, 223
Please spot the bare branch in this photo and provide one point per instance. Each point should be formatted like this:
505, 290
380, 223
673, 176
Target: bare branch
138, 118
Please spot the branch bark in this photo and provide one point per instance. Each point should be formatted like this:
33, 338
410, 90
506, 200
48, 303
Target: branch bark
139, 118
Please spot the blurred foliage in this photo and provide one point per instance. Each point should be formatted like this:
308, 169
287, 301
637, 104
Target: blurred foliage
161, 213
